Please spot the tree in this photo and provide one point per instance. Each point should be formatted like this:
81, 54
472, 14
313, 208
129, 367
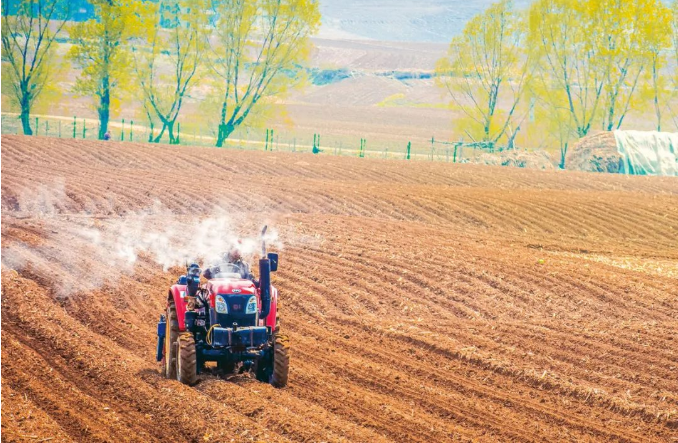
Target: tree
553, 118
485, 65
674, 39
565, 45
167, 68
257, 53
622, 33
657, 43
100, 48
29, 29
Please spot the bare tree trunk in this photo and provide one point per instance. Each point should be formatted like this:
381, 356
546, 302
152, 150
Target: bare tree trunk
26, 121
170, 130
26, 111
563, 153
104, 108
610, 118
225, 130
162, 131
657, 109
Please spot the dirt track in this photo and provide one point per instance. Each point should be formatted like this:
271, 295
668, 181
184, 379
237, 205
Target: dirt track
424, 301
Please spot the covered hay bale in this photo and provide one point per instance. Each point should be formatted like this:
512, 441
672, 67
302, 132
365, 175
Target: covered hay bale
595, 153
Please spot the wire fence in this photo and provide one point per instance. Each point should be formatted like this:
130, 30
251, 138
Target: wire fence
265, 139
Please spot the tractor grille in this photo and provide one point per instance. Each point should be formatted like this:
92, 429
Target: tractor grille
237, 305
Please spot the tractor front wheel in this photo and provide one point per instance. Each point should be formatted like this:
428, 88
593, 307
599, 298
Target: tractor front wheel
186, 369
281, 360
171, 336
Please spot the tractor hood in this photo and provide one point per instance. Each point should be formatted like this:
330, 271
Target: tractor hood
231, 286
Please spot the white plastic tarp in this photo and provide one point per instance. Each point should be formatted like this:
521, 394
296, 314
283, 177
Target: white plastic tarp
648, 152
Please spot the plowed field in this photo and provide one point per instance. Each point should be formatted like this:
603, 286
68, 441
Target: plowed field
424, 301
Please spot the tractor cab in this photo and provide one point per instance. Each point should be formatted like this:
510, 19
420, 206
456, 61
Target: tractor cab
230, 271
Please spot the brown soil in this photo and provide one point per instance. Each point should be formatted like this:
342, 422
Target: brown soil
424, 301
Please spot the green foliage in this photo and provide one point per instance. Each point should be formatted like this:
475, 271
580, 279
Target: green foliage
321, 77
169, 63
28, 64
101, 49
485, 68
258, 53
593, 54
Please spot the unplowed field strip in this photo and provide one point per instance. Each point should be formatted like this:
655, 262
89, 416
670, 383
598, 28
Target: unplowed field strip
424, 301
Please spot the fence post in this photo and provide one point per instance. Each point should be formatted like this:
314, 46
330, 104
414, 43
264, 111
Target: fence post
409, 147
75, 124
122, 131
131, 130
266, 145
37, 126
47, 127
178, 139
84, 129
454, 159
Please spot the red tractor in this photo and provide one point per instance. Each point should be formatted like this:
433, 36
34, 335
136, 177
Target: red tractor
231, 320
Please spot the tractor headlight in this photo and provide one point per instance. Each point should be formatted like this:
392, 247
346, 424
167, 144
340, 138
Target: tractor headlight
251, 306
220, 304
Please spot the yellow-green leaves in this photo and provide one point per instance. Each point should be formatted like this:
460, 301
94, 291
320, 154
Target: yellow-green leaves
101, 49
597, 54
169, 61
256, 55
28, 38
485, 73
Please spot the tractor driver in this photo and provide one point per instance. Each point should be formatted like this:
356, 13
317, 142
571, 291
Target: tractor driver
231, 262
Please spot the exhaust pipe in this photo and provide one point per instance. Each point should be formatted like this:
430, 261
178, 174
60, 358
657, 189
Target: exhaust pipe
265, 286
264, 278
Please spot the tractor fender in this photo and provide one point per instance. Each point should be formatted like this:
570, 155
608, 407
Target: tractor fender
273, 313
178, 294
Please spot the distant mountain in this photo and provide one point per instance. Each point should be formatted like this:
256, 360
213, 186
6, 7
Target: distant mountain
400, 20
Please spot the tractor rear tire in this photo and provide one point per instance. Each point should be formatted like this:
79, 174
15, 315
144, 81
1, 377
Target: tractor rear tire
281, 360
187, 363
171, 336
